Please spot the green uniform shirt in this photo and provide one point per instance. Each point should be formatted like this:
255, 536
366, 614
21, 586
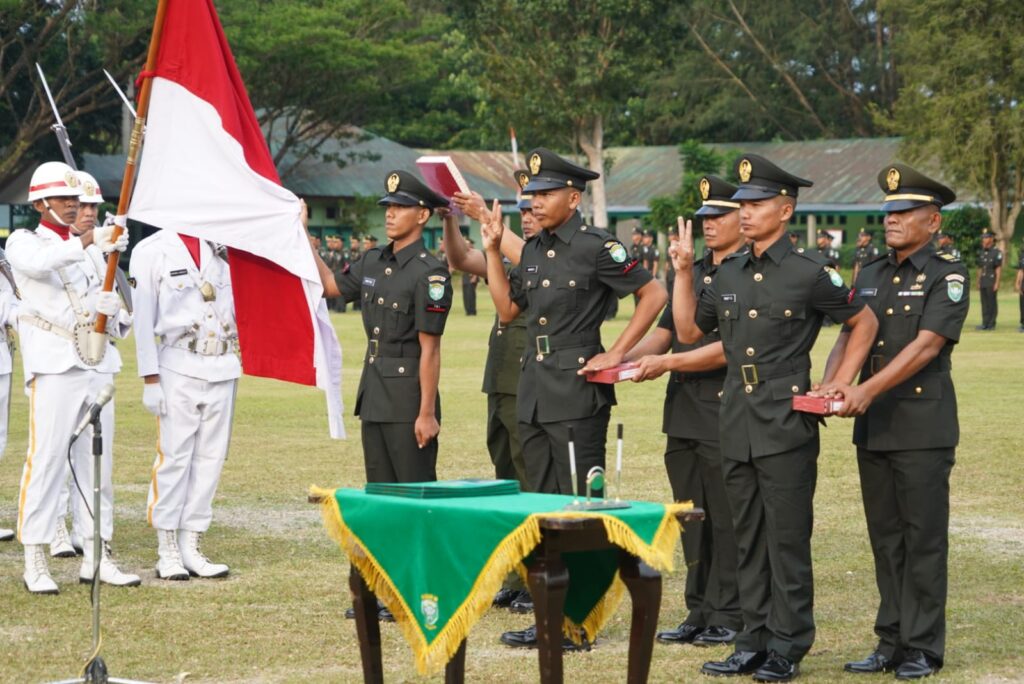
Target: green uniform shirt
769, 310
565, 283
403, 294
928, 291
504, 355
988, 261
693, 400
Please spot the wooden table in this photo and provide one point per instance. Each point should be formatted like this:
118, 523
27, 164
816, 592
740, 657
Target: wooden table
548, 581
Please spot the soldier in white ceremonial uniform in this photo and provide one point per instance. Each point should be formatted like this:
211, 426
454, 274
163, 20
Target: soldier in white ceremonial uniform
8, 318
60, 277
187, 342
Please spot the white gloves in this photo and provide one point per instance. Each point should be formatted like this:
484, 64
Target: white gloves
153, 399
108, 303
102, 237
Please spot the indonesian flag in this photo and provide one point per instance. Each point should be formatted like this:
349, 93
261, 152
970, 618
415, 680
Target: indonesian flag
206, 171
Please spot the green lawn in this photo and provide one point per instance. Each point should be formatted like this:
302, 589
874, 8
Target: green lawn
278, 617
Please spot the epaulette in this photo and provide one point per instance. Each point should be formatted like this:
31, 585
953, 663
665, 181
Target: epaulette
811, 256
946, 256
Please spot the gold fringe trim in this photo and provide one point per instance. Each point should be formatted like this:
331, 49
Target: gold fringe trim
506, 557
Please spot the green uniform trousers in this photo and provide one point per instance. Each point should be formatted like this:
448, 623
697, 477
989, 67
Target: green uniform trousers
546, 452
771, 498
906, 503
390, 454
503, 439
712, 593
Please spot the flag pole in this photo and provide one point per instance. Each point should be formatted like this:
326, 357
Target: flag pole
134, 144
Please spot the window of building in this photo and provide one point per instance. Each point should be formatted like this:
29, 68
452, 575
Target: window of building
332, 212
842, 219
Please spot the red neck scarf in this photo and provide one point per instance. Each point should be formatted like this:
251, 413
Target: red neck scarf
192, 245
63, 231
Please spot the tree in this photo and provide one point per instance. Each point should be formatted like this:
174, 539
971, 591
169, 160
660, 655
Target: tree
74, 42
963, 61
698, 161
561, 71
964, 225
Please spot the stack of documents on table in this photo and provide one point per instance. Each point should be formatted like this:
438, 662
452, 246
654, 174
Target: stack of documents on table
446, 489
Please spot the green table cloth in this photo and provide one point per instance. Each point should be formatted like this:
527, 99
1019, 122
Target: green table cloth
436, 564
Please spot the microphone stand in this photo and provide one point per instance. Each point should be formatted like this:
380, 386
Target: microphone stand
95, 671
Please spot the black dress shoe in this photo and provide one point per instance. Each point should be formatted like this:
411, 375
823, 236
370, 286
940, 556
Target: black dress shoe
715, 636
739, 663
917, 665
527, 638
683, 634
504, 598
384, 615
876, 662
522, 604
778, 668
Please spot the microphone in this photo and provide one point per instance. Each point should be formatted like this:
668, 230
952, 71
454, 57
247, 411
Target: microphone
102, 399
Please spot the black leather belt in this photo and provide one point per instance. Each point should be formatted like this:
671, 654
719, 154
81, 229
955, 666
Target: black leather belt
754, 373
550, 343
396, 350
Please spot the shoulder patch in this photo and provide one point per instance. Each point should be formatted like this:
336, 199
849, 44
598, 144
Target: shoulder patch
947, 257
833, 275
435, 291
955, 276
437, 279
616, 251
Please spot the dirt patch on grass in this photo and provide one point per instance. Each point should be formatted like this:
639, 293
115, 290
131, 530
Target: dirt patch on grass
1004, 538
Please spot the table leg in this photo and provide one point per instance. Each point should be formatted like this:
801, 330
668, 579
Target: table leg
644, 585
367, 628
549, 580
455, 670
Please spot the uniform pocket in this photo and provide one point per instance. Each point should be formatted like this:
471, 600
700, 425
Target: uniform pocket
399, 368
784, 316
728, 313
571, 290
574, 358
920, 387
787, 387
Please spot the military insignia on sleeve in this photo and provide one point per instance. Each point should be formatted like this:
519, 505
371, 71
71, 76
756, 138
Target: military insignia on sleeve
535, 164
834, 276
955, 276
617, 252
436, 291
705, 189
955, 290
392, 182
437, 279
746, 168
892, 179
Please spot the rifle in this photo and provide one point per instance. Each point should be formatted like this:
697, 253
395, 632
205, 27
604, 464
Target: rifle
62, 132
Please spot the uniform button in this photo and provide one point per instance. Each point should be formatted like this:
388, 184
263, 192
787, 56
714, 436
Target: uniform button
540, 357
545, 283
888, 312
918, 390
423, 255
795, 388
787, 313
211, 334
799, 250
376, 331
750, 351
371, 359
748, 388
881, 343
581, 360
542, 321
401, 369
720, 393
758, 277
551, 253
572, 283
906, 307
727, 312
380, 300
394, 305
707, 280
896, 279
387, 271
752, 313
498, 332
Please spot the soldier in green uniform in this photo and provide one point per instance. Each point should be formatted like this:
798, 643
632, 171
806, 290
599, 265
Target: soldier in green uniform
564, 283
693, 457
944, 245
864, 253
825, 249
406, 294
1018, 285
906, 429
768, 303
990, 270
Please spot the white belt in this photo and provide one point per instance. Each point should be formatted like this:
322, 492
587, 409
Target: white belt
46, 325
208, 346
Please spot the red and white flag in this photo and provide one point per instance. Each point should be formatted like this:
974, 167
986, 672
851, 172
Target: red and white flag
206, 171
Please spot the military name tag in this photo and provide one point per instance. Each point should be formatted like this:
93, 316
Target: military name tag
532, 269
209, 294
910, 293
728, 298
179, 272
369, 282
867, 291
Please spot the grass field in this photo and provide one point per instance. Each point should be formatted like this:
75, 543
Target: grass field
278, 617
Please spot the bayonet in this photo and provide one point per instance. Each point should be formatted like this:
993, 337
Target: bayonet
124, 98
62, 133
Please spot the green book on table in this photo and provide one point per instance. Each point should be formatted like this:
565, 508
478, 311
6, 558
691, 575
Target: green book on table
445, 489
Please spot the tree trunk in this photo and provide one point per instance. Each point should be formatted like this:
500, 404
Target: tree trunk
591, 139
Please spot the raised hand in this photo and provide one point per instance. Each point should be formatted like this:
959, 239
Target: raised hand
681, 251
471, 204
492, 227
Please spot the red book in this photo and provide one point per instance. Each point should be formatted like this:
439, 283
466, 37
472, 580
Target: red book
608, 376
441, 175
821, 406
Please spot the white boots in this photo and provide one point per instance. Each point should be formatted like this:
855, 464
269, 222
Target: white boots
6, 534
169, 566
109, 572
61, 546
37, 572
193, 559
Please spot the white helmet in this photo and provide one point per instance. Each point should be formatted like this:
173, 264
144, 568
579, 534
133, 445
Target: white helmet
90, 189
53, 179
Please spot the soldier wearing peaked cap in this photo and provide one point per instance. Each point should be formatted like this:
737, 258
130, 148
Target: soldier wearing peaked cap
990, 270
565, 282
906, 428
406, 294
693, 456
826, 250
768, 304
864, 253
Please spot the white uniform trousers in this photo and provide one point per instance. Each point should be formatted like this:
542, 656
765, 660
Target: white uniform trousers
5, 409
57, 402
192, 443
